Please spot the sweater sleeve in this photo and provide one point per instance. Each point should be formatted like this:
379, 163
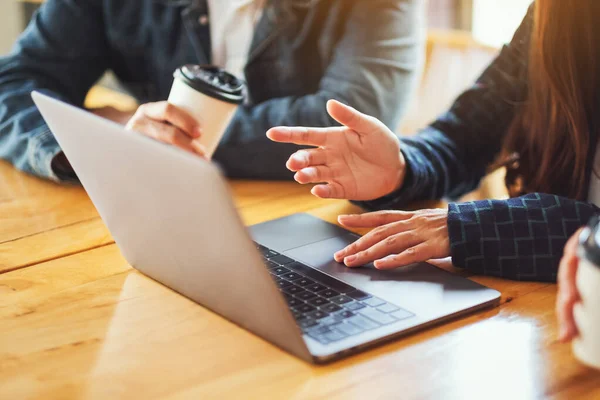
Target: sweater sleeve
521, 238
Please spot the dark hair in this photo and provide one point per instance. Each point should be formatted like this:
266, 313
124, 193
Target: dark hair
553, 130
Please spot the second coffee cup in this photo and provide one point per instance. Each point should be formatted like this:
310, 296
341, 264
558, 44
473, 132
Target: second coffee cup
211, 95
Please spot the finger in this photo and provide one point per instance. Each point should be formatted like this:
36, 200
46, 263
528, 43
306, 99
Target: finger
393, 244
167, 112
568, 296
373, 219
303, 136
375, 236
572, 243
321, 173
419, 253
351, 117
332, 190
165, 133
306, 158
199, 148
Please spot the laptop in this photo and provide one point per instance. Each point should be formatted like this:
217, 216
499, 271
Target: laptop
173, 218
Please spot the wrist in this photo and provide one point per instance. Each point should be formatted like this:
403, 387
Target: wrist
62, 167
401, 173
399, 176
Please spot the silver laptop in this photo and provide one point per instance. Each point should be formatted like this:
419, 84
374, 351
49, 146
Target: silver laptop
172, 216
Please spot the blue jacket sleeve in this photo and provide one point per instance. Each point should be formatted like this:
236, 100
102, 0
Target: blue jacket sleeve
48, 57
450, 157
521, 238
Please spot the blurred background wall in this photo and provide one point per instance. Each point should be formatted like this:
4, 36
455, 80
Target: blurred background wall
490, 21
11, 23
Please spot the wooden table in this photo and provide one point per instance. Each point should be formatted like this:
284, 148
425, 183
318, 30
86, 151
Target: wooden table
77, 322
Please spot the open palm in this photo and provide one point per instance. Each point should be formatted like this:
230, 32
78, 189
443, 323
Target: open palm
358, 161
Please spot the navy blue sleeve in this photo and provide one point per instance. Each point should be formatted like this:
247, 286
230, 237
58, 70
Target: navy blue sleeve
521, 238
62, 53
451, 156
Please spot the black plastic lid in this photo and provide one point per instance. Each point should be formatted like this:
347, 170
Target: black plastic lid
589, 241
212, 81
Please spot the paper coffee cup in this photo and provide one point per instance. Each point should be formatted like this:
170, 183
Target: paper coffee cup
209, 94
586, 346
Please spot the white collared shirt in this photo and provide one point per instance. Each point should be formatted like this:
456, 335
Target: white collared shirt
232, 24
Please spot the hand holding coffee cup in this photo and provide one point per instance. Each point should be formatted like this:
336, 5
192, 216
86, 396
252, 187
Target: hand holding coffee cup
210, 96
168, 124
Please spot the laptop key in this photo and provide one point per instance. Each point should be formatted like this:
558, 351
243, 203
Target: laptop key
319, 329
329, 293
304, 308
388, 308
304, 282
271, 264
363, 323
318, 301
377, 316
335, 335
346, 314
307, 323
267, 253
330, 307
402, 314
283, 283
315, 287
355, 305
348, 329
330, 320
318, 314
281, 259
279, 271
319, 338
294, 302
340, 300
293, 289
321, 277
306, 295
358, 295
291, 276
374, 302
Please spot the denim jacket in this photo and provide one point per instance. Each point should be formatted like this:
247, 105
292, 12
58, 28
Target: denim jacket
363, 52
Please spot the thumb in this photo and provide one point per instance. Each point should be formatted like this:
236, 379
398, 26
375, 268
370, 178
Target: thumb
350, 117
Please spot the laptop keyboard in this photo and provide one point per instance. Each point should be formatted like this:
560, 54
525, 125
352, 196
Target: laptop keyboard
325, 308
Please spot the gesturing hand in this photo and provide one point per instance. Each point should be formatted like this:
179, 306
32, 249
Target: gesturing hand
169, 124
359, 161
400, 238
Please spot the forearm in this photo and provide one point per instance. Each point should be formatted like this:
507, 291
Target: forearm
50, 59
449, 158
25, 139
521, 238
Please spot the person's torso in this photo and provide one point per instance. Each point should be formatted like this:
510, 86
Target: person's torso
293, 42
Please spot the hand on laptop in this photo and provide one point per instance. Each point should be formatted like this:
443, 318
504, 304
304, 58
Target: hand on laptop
400, 238
359, 161
169, 124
